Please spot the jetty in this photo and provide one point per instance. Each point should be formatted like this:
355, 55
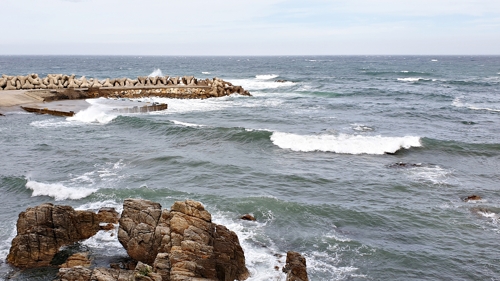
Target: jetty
31, 89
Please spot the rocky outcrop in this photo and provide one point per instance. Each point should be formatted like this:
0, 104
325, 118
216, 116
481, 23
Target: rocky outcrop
170, 245
42, 230
182, 243
295, 267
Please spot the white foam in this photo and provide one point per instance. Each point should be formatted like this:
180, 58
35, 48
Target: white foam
156, 72
404, 71
434, 60
97, 113
205, 72
188, 105
411, 79
457, 102
259, 260
433, 174
266, 76
187, 124
344, 143
58, 191
361, 127
52, 123
260, 84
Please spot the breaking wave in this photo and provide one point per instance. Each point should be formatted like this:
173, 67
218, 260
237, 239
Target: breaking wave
344, 143
58, 191
266, 76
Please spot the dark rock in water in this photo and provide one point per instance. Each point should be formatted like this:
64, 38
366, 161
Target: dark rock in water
404, 165
472, 198
42, 230
281, 81
1, 114
248, 217
295, 267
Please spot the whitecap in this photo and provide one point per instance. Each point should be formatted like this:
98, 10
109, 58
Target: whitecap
205, 72
457, 102
156, 72
434, 60
58, 191
187, 124
97, 113
411, 79
266, 76
344, 143
404, 71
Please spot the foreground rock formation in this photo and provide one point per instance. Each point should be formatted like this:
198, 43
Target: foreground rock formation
42, 230
179, 244
59, 86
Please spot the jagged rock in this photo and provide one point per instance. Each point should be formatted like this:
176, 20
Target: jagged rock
78, 259
229, 256
248, 217
144, 272
295, 267
110, 274
137, 229
77, 273
42, 230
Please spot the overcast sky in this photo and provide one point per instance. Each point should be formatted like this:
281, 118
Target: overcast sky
250, 27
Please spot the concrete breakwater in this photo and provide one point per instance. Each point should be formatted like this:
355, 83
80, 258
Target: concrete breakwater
69, 87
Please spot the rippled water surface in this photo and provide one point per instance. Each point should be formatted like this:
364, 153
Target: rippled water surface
359, 163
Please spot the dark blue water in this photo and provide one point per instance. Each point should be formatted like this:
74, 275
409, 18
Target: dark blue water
312, 158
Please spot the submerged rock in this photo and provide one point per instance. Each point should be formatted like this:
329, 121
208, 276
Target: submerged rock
472, 198
248, 217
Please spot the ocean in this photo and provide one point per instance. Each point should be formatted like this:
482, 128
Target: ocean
360, 163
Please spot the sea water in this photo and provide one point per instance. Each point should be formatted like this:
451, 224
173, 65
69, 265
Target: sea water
359, 163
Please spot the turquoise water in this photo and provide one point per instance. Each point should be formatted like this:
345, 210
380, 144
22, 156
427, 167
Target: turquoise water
312, 159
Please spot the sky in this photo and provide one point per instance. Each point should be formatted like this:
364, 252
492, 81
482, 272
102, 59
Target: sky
250, 27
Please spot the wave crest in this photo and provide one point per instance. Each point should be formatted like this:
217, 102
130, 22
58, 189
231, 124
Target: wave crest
58, 191
343, 143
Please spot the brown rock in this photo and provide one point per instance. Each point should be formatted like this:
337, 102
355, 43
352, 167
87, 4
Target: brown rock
137, 229
77, 273
472, 198
295, 267
42, 230
229, 256
110, 274
248, 217
78, 259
